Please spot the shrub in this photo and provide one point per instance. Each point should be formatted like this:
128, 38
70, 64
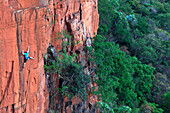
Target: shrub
72, 79
166, 102
151, 107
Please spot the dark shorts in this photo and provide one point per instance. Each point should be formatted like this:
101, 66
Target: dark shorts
25, 59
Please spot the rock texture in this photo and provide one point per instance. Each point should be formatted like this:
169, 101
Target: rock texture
80, 18
31, 23
22, 24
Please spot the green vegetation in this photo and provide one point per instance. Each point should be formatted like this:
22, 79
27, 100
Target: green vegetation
143, 27
166, 102
134, 79
122, 79
74, 80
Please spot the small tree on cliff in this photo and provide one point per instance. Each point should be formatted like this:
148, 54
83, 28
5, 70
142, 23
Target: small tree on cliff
73, 80
71, 72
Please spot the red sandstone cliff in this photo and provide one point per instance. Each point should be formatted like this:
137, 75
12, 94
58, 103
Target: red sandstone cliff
31, 22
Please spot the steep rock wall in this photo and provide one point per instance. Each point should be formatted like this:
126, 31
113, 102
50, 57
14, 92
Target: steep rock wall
26, 23
79, 17
22, 24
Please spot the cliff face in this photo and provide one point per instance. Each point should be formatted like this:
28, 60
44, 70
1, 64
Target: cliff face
22, 24
31, 23
79, 17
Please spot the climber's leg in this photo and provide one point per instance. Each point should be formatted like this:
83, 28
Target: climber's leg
25, 60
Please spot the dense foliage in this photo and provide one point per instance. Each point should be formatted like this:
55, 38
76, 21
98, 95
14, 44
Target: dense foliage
74, 80
143, 27
121, 79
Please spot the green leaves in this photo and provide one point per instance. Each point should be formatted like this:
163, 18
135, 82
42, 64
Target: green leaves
166, 102
120, 78
74, 80
146, 40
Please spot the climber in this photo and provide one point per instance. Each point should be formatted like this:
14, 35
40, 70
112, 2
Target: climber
26, 56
